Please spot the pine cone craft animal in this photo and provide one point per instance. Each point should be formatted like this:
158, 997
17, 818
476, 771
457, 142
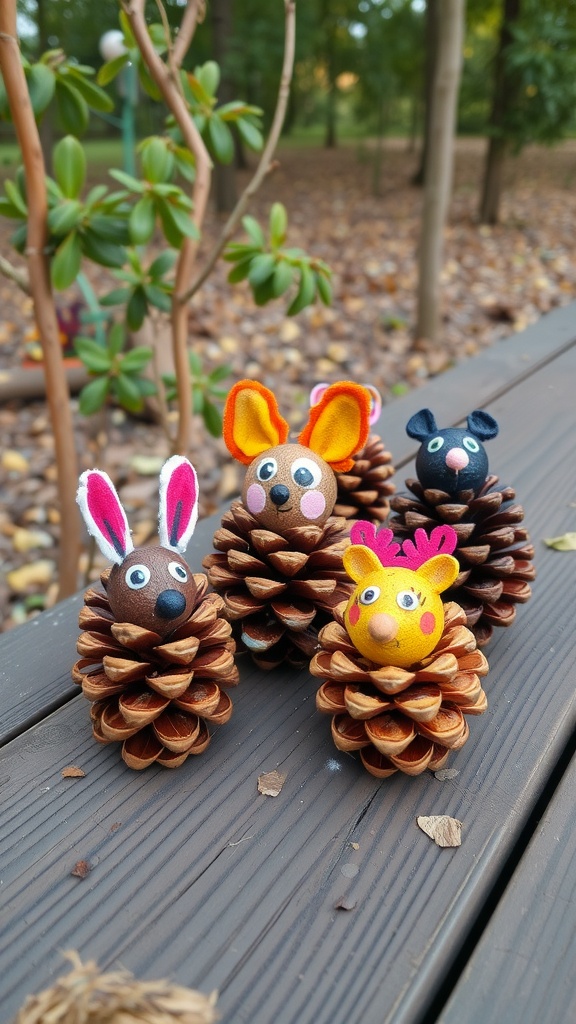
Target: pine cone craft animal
364, 491
278, 560
400, 669
155, 651
454, 487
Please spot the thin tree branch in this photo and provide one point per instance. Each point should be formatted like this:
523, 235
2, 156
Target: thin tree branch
265, 164
193, 15
20, 277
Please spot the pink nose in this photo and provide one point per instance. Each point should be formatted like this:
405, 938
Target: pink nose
382, 627
457, 459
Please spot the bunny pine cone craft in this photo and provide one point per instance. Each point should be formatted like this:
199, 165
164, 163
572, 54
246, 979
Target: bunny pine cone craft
155, 650
278, 560
400, 669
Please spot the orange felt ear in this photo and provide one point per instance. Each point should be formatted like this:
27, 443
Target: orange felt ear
338, 425
252, 422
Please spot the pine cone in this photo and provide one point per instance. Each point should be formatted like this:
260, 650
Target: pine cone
278, 590
494, 549
401, 719
363, 492
155, 695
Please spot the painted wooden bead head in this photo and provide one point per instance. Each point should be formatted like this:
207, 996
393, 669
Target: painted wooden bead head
288, 485
151, 587
453, 459
395, 615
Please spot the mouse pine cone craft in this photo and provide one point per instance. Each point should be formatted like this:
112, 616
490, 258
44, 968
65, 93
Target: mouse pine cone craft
455, 488
364, 491
278, 560
155, 650
401, 671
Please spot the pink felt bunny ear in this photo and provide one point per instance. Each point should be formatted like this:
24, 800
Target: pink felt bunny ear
104, 516
178, 503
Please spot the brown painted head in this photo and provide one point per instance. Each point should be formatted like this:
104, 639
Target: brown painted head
151, 587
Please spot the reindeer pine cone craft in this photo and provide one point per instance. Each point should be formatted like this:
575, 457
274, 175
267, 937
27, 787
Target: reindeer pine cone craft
278, 562
155, 651
400, 717
494, 549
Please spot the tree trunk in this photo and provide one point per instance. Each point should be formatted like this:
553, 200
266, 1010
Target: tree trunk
330, 57
501, 103
224, 174
431, 45
438, 174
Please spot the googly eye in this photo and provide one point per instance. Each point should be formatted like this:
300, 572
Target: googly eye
370, 595
178, 572
137, 576
435, 444
266, 469
471, 444
306, 473
407, 600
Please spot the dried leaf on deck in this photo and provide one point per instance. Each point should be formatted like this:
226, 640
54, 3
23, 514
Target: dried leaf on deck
444, 830
444, 774
270, 783
72, 771
566, 542
81, 869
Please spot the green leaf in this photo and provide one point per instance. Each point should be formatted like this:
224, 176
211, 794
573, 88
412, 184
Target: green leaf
95, 97
95, 195
278, 224
41, 83
94, 356
65, 265
115, 341
306, 291
70, 166
115, 297
250, 134
145, 386
110, 228
261, 268
128, 393
157, 160
240, 271
93, 395
108, 254
212, 418
136, 359
220, 373
181, 221
567, 542
18, 237
7, 209
137, 309
221, 139
195, 363
72, 108
142, 220
283, 278
209, 77
253, 229
15, 197
108, 71
129, 182
263, 292
64, 217
163, 263
324, 289
157, 297
197, 400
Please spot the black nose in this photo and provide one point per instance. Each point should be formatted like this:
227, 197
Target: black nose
279, 494
170, 604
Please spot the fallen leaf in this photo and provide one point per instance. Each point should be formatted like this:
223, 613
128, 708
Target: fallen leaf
567, 542
355, 846
445, 831
446, 773
147, 465
14, 462
72, 771
26, 540
36, 574
115, 826
81, 869
270, 783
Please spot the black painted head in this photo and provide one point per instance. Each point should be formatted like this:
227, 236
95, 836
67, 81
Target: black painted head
453, 459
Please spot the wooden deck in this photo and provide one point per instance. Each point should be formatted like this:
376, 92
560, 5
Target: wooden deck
197, 876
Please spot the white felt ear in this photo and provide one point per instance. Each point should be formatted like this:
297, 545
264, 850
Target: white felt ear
178, 503
104, 516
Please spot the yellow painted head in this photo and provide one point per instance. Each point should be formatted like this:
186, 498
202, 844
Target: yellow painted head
395, 615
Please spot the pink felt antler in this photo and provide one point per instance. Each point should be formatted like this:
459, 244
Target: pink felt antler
442, 541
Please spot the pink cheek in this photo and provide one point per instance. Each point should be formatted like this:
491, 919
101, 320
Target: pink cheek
312, 504
255, 498
353, 614
428, 623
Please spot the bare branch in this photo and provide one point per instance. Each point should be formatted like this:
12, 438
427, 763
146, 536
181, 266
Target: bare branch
193, 15
14, 274
265, 164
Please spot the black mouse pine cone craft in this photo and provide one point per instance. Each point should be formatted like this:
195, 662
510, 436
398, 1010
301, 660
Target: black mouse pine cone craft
455, 488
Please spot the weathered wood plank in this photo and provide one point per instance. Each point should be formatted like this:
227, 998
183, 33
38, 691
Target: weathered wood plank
523, 967
208, 881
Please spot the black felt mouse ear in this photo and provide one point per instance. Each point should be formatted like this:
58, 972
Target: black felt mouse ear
482, 425
421, 424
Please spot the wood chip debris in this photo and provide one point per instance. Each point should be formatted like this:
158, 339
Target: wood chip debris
445, 831
445, 774
72, 771
81, 869
346, 903
270, 783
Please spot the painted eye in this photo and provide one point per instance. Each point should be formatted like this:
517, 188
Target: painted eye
370, 595
435, 444
306, 473
178, 572
407, 600
137, 576
267, 469
471, 444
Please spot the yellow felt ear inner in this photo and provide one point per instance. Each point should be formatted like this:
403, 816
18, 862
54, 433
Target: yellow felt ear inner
252, 422
440, 572
338, 425
359, 561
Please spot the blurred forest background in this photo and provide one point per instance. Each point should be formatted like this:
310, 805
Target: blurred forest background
349, 170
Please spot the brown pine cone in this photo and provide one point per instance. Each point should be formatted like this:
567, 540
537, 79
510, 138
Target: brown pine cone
156, 696
494, 549
278, 590
401, 719
364, 491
